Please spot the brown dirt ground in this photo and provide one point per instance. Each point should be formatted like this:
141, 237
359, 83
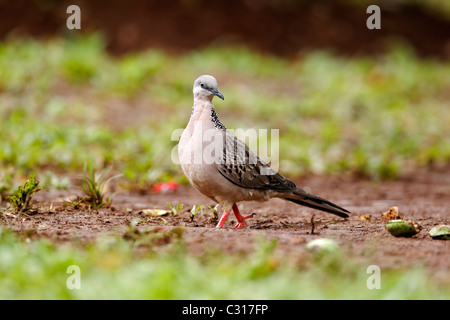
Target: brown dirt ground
423, 197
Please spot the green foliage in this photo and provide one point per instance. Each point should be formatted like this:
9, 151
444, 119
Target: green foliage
175, 210
195, 209
94, 188
155, 264
372, 116
84, 56
214, 211
5, 184
21, 198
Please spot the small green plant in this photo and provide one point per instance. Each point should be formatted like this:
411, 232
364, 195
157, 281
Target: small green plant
95, 187
21, 198
75, 203
175, 210
214, 211
194, 211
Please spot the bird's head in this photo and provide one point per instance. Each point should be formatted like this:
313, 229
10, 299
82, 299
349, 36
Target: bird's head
205, 87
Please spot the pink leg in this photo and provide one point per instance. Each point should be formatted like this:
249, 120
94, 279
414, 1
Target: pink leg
240, 218
222, 220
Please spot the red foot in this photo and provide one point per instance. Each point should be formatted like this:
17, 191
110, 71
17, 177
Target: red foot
240, 218
222, 220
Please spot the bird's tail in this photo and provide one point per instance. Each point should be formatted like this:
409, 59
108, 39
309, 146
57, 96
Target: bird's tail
304, 198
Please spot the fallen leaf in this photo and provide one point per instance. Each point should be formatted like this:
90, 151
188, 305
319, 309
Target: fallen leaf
392, 214
363, 217
155, 212
403, 228
441, 232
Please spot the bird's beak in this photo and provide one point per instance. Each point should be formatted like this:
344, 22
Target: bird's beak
217, 93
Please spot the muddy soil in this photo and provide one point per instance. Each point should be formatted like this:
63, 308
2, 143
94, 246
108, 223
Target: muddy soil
423, 197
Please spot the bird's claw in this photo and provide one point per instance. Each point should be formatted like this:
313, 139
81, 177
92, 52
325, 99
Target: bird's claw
240, 218
239, 225
241, 221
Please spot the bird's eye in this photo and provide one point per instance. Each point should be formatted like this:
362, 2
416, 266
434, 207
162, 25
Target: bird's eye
202, 85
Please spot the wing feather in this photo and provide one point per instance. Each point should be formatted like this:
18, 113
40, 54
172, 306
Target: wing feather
242, 167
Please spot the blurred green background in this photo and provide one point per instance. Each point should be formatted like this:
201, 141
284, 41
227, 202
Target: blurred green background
347, 100
374, 102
